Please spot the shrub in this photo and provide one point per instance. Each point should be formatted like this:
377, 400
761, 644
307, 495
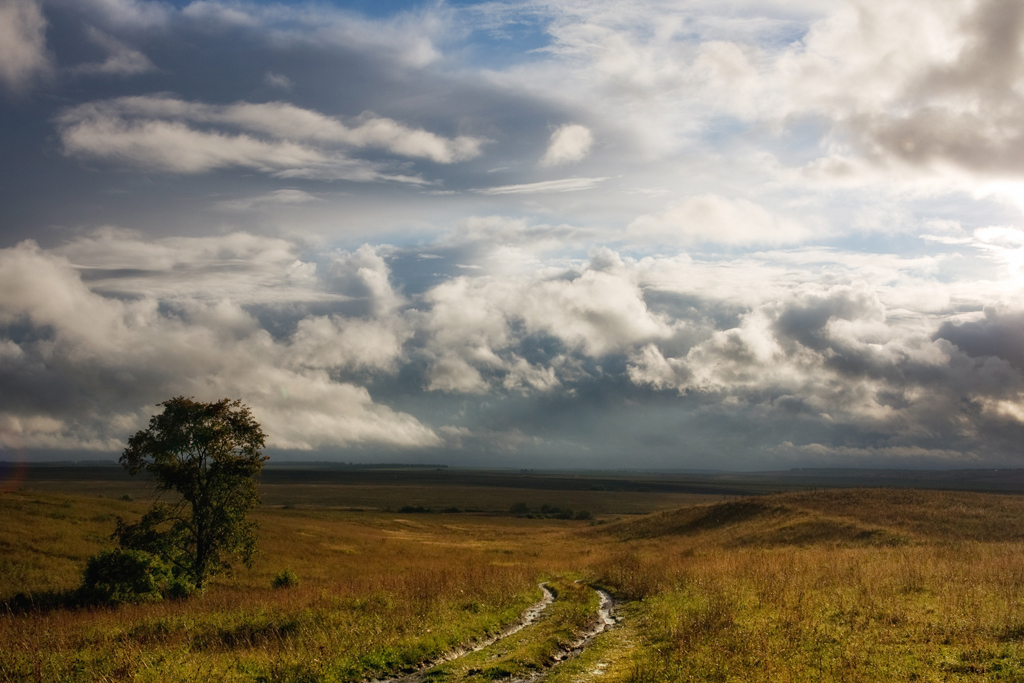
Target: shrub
179, 588
285, 578
120, 575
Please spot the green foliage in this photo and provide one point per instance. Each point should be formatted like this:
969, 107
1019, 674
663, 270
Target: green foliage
285, 578
210, 454
120, 575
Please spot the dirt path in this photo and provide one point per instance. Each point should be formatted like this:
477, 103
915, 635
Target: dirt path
603, 620
531, 615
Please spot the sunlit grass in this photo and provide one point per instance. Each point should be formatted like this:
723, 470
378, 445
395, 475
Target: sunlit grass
863, 585
728, 595
377, 594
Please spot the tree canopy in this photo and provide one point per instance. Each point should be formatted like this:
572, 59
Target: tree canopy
211, 455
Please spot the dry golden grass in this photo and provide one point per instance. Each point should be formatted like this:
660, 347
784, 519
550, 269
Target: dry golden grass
378, 592
826, 586
855, 585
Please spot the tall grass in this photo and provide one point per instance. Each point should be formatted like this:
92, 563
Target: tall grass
823, 586
714, 605
377, 594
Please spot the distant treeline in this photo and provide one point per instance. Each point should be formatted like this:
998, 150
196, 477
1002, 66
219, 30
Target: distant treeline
331, 465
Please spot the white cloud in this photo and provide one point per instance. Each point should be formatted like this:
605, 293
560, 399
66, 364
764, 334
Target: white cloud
23, 55
546, 186
925, 85
832, 354
337, 342
848, 455
601, 311
102, 358
241, 267
309, 410
814, 337
162, 133
569, 143
286, 197
713, 219
472, 322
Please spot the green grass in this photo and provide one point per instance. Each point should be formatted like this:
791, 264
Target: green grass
531, 649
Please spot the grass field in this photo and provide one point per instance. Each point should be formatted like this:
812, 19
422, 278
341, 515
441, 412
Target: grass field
824, 585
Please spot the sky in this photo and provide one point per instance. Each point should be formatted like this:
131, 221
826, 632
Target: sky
682, 234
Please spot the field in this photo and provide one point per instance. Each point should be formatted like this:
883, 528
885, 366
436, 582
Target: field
398, 568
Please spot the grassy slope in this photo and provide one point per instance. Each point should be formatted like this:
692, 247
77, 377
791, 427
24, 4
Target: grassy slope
855, 585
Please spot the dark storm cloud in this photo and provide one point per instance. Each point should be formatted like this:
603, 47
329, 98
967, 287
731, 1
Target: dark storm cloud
1000, 334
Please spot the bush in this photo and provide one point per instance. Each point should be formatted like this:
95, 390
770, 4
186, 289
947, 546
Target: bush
285, 578
179, 588
119, 575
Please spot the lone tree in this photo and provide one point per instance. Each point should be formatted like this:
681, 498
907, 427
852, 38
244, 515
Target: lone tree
210, 454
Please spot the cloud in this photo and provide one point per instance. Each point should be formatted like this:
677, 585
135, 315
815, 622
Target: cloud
161, 133
131, 14
848, 456
814, 343
831, 355
546, 186
713, 219
998, 335
244, 268
476, 324
121, 60
406, 38
568, 143
275, 80
892, 94
928, 86
100, 363
285, 197
220, 13
23, 55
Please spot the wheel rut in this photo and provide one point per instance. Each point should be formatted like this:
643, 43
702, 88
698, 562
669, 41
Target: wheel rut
528, 617
603, 620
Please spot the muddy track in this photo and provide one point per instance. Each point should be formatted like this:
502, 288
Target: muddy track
603, 620
532, 613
